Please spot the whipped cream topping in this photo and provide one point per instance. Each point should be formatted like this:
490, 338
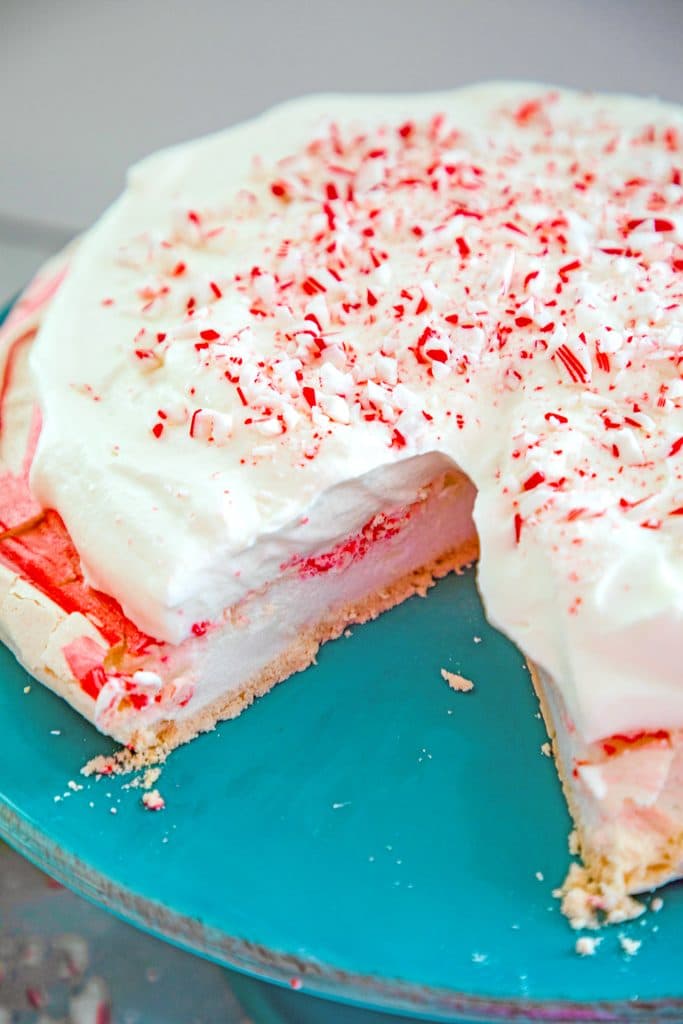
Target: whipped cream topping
280, 330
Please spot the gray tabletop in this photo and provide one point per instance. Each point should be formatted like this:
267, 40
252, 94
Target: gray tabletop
61, 959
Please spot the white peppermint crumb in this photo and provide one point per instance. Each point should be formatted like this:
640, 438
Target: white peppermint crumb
629, 946
546, 749
56, 799
347, 633
27, 689
586, 945
55, 732
656, 904
338, 806
73, 786
113, 810
476, 639
479, 958
539, 876
90, 1004
456, 682
76, 954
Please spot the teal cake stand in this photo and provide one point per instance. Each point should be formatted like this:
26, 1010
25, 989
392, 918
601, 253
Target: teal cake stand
363, 835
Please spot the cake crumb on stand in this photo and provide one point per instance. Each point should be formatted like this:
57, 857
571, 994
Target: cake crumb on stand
629, 946
457, 682
586, 945
147, 780
153, 800
124, 761
589, 902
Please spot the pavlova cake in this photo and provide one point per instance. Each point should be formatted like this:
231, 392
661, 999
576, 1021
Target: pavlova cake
305, 366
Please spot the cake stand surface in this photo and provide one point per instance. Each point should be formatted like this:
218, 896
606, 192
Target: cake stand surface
363, 833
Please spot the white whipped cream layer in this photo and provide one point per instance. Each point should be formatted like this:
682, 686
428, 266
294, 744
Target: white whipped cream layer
280, 330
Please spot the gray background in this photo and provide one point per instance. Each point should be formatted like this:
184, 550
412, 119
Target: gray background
88, 86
